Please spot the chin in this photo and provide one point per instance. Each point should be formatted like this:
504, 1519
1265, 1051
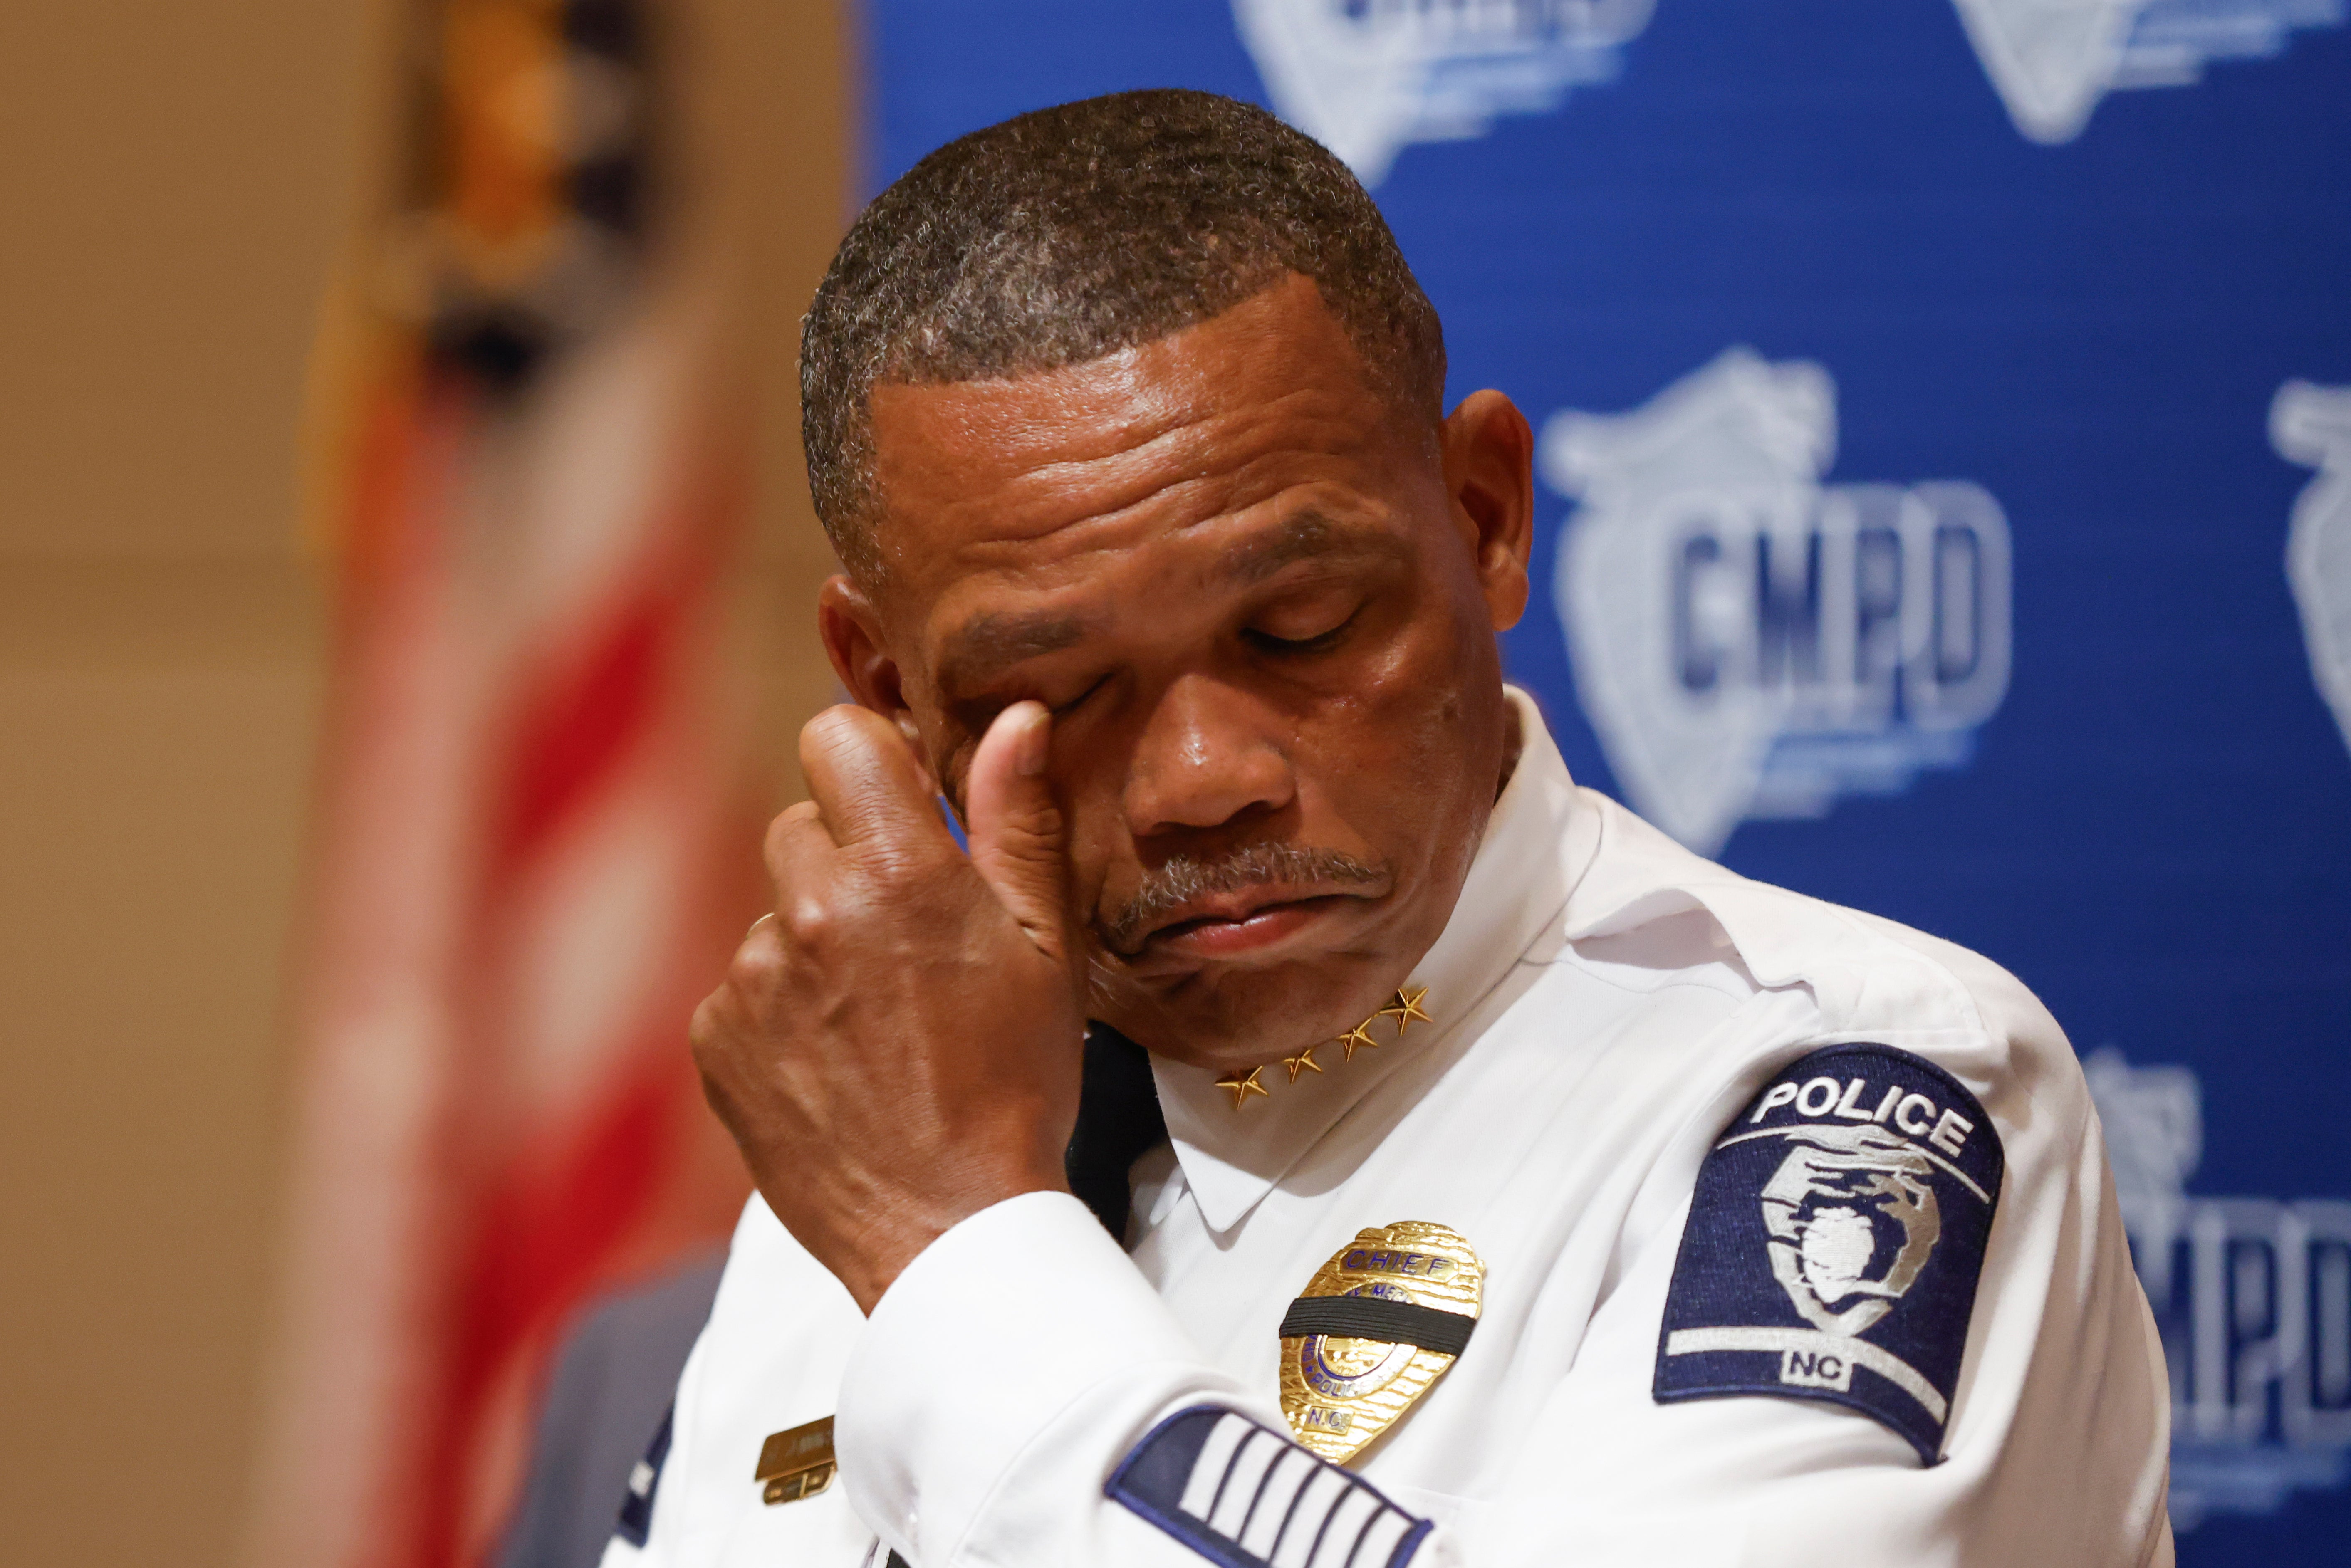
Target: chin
1247, 1017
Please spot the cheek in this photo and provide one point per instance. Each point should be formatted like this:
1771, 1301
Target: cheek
1410, 750
1099, 849
1389, 757
1418, 688
1446, 638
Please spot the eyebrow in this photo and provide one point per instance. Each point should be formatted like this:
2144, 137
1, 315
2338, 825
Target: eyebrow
1308, 536
987, 645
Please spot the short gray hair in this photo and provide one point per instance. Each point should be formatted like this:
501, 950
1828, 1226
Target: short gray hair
1058, 236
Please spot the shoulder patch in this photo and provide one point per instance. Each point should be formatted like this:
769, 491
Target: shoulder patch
637, 1507
1834, 1241
1245, 1496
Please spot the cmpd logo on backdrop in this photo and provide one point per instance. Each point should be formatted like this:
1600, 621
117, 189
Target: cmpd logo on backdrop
2253, 1297
2053, 60
1367, 78
1749, 642
2312, 425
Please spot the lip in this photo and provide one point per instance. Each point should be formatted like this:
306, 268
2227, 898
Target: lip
1255, 923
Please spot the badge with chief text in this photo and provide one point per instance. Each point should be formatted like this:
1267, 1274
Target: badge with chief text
1835, 1242
1378, 1323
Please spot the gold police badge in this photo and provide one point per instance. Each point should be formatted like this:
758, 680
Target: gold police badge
1378, 1323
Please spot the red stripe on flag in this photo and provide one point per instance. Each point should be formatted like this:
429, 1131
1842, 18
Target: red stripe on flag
543, 1239
549, 1228
577, 718
491, 763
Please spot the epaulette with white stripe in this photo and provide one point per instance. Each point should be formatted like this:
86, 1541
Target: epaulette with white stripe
1244, 1496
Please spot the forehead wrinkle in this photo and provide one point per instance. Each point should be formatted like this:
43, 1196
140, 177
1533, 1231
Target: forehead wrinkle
1152, 463
1188, 502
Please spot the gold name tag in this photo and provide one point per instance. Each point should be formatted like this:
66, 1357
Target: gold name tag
796, 1463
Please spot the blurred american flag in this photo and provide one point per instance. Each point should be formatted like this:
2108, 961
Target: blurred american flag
534, 833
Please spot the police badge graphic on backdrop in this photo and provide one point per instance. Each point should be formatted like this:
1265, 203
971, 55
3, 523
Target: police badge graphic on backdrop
2053, 60
2312, 425
1366, 80
1749, 641
1835, 1242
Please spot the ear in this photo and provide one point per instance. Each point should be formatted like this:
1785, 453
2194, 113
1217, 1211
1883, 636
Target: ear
851, 629
1490, 475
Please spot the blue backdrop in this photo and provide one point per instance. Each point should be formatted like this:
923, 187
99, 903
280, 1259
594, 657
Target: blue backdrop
1963, 387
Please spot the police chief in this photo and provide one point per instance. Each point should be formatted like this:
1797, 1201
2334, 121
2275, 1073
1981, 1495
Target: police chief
1306, 1128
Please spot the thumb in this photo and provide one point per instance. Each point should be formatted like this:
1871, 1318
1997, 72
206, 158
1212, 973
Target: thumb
1018, 845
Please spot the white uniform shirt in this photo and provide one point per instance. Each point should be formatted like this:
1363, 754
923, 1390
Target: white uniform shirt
1605, 1006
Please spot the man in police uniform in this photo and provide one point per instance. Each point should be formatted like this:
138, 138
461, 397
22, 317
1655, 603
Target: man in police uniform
1307, 1129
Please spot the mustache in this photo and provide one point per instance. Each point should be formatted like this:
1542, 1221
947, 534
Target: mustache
1178, 881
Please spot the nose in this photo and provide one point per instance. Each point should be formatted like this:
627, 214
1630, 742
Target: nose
1208, 757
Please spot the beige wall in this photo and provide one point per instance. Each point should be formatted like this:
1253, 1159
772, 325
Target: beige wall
176, 180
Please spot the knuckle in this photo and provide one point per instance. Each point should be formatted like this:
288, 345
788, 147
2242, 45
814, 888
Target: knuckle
1035, 822
712, 1030
808, 921
1033, 850
757, 968
897, 867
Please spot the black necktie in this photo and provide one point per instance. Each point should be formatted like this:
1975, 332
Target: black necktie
1118, 1124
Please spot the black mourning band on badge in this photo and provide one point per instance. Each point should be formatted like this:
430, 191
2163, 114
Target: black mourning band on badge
1372, 1317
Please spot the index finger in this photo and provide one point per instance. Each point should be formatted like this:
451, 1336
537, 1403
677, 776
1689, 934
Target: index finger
868, 782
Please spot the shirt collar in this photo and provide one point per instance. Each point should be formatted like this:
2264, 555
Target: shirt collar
1540, 838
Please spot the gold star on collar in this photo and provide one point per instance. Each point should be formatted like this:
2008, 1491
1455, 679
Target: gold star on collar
1243, 1085
1405, 1008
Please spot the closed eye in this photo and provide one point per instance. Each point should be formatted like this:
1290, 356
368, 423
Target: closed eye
1081, 699
1266, 641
